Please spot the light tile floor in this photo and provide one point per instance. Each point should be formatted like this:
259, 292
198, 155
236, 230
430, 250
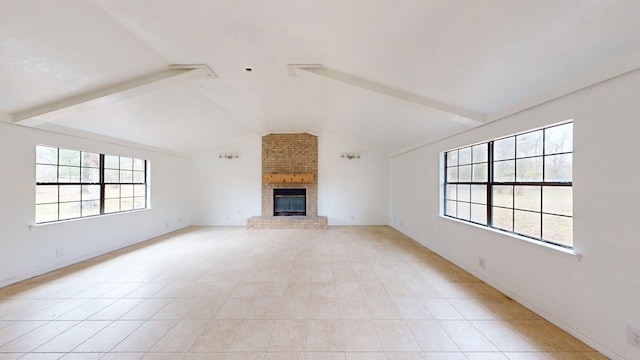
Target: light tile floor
346, 293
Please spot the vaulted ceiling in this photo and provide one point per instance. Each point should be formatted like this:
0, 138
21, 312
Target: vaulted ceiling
384, 74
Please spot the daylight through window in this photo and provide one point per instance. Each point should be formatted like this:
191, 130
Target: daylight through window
520, 184
74, 184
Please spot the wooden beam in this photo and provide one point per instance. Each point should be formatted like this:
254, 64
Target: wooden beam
287, 178
110, 94
460, 115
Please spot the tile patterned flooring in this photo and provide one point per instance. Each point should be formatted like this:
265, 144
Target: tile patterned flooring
346, 293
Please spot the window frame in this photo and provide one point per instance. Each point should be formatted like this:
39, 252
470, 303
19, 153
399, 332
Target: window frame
490, 185
100, 185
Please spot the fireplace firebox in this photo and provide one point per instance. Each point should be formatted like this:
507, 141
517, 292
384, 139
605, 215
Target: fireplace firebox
289, 202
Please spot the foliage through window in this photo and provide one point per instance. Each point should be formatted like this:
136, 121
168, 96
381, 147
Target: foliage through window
520, 184
74, 184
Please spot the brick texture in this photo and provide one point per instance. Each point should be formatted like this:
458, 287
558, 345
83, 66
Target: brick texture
290, 154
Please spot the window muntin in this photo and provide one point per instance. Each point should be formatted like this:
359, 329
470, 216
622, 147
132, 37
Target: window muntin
467, 172
74, 184
527, 189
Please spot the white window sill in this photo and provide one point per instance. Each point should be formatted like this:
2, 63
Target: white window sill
31, 227
524, 241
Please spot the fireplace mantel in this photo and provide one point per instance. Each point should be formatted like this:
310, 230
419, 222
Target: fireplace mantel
287, 178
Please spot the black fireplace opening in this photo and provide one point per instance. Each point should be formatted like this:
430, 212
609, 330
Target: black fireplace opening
289, 202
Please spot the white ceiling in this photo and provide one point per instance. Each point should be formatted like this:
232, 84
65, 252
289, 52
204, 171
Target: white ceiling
489, 58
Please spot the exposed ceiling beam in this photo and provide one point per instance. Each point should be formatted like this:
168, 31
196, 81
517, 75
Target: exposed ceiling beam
110, 94
462, 116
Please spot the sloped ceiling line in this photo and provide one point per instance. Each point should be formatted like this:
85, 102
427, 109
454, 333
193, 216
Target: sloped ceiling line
49, 112
462, 116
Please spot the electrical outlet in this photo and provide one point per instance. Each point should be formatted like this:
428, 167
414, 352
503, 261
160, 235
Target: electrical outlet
481, 262
59, 252
633, 336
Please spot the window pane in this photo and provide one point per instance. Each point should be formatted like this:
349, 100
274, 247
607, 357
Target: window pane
464, 193
111, 205
503, 196
69, 193
68, 174
111, 176
504, 171
502, 218
111, 191
138, 164
480, 172
527, 223
464, 211
90, 192
46, 194
450, 208
558, 168
90, 175
450, 192
126, 190
91, 207
480, 153
69, 157
452, 174
126, 204
527, 198
479, 194
526, 176
139, 203
69, 210
111, 162
126, 176
452, 158
464, 156
46, 155
558, 229
90, 160
126, 163
504, 148
75, 188
479, 213
138, 177
529, 169
140, 190
558, 139
46, 213
465, 173
529, 144
46, 173
557, 200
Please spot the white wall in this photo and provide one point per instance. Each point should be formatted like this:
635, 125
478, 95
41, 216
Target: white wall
227, 192
352, 192
26, 252
594, 298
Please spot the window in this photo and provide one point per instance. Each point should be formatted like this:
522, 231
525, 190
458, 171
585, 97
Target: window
74, 184
521, 184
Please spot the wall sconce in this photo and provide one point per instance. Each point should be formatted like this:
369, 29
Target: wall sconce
228, 156
350, 156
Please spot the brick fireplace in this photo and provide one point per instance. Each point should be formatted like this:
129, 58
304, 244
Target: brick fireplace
289, 161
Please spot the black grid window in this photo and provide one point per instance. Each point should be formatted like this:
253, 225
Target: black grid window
74, 184
523, 186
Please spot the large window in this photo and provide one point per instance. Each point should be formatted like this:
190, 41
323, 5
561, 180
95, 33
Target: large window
520, 184
73, 184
